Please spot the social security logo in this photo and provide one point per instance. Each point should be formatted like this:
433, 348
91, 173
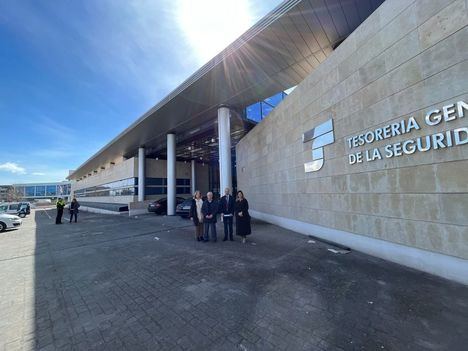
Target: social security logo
320, 136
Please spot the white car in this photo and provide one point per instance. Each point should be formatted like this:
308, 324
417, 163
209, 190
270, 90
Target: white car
8, 221
14, 208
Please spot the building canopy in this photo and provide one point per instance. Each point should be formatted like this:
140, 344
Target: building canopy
275, 54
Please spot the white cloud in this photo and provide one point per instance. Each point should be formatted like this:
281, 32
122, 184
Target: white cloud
12, 168
50, 175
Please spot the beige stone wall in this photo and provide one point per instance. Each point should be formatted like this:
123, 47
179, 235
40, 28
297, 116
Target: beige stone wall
129, 169
112, 173
122, 170
157, 169
404, 60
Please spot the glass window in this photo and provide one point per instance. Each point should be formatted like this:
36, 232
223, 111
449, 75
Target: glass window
127, 191
266, 109
102, 192
275, 99
155, 181
29, 191
118, 188
3, 208
183, 182
40, 190
183, 190
254, 112
51, 190
61, 189
158, 190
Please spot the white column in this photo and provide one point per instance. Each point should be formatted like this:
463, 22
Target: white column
171, 174
141, 173
224, 144
194, 179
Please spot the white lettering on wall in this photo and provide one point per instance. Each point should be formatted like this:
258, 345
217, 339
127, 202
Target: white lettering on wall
435, 141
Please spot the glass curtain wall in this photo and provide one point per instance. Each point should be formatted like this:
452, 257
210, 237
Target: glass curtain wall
258, 111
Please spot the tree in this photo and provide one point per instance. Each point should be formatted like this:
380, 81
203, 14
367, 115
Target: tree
14, 195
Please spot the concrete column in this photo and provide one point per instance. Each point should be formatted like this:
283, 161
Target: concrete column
224, 145
194, 179
171, 174
141, 173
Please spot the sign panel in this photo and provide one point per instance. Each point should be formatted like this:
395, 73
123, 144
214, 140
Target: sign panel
321, 135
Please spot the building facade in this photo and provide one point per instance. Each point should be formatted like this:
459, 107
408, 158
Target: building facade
118, 183
41, 191
370, 150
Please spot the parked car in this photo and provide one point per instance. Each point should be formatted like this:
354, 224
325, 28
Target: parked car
13, 208
160, 206
8, 221
183, 209
27, 206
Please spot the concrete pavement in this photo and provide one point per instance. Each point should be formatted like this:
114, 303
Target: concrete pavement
119, 283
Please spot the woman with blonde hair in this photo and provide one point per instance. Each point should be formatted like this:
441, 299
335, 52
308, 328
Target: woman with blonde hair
196, 214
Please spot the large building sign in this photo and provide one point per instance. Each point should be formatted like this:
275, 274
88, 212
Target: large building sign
321, 135
435, 141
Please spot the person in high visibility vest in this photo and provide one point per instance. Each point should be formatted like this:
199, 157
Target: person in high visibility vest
60, 206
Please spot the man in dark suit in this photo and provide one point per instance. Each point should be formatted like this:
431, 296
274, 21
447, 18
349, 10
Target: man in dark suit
226, 205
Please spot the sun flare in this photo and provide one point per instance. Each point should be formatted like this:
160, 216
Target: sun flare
211, 25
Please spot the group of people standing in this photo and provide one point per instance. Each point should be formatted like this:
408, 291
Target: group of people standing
74, 206
204, 215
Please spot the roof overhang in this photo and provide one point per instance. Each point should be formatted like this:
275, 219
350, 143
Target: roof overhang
275, 54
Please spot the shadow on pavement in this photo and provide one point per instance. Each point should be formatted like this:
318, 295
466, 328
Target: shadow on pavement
119, 283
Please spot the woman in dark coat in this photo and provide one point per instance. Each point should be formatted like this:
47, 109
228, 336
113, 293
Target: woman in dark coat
196, 215
74, 206
242, 216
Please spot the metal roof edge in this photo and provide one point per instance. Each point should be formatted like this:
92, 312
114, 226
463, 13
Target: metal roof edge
257, 28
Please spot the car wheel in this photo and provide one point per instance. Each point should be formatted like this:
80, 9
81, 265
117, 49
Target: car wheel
2, 226
22, 214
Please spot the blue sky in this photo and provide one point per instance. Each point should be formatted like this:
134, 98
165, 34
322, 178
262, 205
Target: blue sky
76, 73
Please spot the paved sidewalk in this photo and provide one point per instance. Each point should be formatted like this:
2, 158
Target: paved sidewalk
119, 283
